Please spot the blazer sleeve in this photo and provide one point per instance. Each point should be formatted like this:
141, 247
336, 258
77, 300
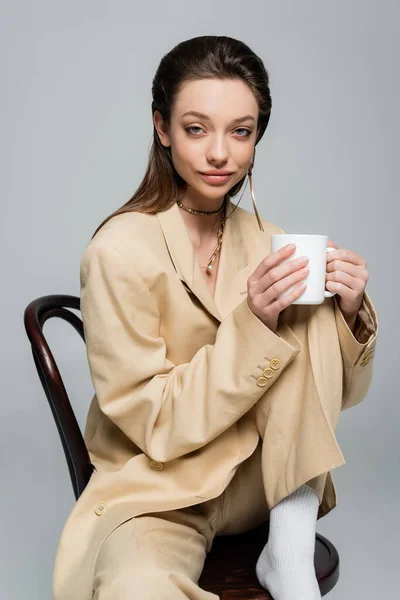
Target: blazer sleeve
167, 409
357, 351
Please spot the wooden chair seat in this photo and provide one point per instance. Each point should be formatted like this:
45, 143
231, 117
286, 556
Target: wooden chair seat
229, 569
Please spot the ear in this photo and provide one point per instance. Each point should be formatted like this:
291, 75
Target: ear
161, 128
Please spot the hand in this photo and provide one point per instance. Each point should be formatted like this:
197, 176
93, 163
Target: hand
269, 280
347, 275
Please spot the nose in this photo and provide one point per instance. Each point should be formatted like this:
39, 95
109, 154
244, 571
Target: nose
217, 151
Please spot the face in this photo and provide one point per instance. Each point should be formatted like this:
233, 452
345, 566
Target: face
220, 139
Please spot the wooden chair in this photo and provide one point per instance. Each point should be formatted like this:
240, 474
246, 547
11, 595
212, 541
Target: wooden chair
229, 569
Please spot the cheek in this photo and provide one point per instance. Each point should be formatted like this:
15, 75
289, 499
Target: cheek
244, 154
185, 154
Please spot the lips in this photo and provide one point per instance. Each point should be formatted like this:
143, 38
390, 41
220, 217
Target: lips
216, 172
215, 179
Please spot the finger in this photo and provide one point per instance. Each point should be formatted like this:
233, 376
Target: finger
346, 256
346, 267
270, 261
341, 280
347, 295
353, 270
332, 244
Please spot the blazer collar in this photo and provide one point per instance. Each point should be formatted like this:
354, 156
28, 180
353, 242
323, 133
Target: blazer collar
232, 275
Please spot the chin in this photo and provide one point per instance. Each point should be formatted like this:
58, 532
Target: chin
209, 191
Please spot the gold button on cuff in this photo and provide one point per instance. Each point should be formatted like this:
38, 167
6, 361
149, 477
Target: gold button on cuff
262, 381
275, 363
100, 508
268, 373
157, 466
365, 361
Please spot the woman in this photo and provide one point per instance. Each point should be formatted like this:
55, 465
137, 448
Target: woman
214, 409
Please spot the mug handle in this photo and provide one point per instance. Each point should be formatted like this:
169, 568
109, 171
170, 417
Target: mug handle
327, 293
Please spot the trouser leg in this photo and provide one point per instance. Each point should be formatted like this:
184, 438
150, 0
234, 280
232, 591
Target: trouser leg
297, 419
243, 504
286, 466
153, 556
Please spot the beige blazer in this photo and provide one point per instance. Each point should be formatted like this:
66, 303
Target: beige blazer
186, 383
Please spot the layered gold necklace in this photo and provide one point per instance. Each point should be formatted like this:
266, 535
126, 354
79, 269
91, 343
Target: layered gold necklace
222, 209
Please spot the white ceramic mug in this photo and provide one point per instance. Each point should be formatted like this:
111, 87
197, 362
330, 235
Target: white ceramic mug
315, 247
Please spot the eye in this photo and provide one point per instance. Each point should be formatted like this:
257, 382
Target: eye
189, 128
247, 131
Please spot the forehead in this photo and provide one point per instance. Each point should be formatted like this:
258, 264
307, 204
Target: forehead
223, 99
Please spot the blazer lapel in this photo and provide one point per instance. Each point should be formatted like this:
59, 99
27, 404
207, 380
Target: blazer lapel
234, 264
232, 275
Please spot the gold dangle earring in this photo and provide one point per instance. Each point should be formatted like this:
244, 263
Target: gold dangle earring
252, 195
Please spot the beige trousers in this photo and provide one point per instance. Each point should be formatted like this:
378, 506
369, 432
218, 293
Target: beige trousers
161, 555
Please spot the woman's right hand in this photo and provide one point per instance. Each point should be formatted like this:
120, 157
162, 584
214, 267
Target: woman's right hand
269, 280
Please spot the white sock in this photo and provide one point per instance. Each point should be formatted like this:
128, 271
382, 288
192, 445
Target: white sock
285, 566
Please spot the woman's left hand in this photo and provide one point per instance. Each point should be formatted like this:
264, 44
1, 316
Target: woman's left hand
347, 275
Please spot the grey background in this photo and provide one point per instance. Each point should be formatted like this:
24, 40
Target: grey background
76, 129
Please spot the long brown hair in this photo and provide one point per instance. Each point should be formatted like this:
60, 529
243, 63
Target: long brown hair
203, 57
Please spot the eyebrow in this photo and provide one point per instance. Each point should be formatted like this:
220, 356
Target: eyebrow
207, 118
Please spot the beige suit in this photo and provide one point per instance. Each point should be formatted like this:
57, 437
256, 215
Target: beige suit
186, 383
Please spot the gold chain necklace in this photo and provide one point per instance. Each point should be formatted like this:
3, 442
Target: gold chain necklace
222, 208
